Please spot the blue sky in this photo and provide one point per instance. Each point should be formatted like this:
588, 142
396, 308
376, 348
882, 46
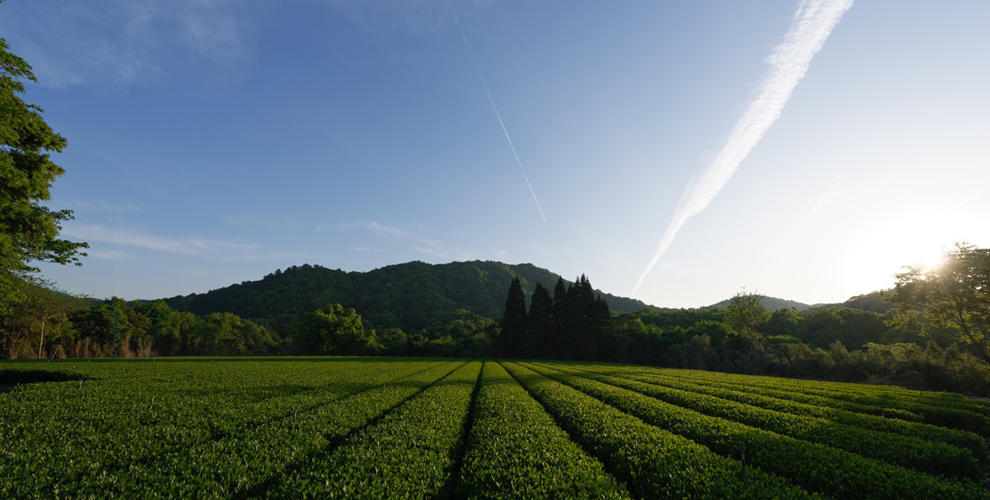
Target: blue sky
214, 141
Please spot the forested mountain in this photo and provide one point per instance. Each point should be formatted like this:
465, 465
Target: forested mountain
410, 296
872, 302
773, 304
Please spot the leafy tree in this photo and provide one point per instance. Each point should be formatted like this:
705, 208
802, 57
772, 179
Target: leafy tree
746, 317
227, 334
470, 332
165, 326
40, 316
953, 296
785, 321
631, 336
513, 339
333, 330
394, 341
853, 328
28, 230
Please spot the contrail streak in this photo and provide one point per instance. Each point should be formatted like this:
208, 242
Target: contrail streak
799, 225
498, 115
811, 26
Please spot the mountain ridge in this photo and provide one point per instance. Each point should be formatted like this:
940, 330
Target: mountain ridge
411, 296
872, 302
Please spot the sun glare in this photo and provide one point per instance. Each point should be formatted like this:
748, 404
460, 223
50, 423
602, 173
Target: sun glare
933, 260
873, 261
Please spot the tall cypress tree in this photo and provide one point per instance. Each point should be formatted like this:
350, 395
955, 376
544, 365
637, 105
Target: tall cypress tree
602, 318
559, 323
582, 304
541, 322
579, 322
513, 339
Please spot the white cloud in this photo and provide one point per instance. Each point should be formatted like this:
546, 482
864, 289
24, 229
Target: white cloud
100, 206
126, 41
99, 253
104, 239
390, 15
788, 62
184, 246
415, 242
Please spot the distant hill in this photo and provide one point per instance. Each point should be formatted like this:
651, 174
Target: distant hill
411, 296
872, 302
772, 304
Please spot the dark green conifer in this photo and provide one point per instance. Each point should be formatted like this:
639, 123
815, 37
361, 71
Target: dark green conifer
559, 323
602, 318
581, 302
513, 339
541, 321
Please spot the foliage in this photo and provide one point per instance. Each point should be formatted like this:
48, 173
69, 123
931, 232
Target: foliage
933, 458
407, 296
872, 302
216, 428
772, 304
38, 320
573, 324
756, 392
52, 324
653, 462
410, 453
28, 230
506, 421
830, 343
541, 322
333, 330
811, 466
513, 341
955, 296
745, 315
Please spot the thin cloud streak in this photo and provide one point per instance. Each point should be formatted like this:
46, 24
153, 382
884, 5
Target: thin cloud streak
203, 248
127, 42
188, 246
804, 220
417, 243
382, 16
101, 206
109, 255
789, 61
498, 115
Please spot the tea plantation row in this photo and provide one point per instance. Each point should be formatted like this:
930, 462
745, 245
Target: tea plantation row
454, 428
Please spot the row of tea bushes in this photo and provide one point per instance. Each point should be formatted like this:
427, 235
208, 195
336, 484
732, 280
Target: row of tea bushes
815, 467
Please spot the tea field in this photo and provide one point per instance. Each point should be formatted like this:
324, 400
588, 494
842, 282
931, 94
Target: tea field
239, 428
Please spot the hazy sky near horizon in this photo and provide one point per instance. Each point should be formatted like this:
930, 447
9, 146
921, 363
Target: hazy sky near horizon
214, 141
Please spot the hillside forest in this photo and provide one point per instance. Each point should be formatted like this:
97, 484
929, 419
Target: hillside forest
490, 308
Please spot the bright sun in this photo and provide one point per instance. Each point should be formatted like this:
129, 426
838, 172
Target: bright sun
873, 261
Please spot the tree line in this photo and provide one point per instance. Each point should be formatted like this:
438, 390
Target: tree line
934, 333
573, 323
919, 343
49, 324
46, 323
